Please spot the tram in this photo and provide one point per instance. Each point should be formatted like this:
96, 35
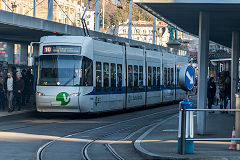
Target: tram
83, 74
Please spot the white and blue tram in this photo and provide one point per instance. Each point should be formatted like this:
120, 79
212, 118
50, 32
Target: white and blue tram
82, 74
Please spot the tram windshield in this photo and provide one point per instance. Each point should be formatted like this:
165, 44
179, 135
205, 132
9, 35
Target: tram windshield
64, 70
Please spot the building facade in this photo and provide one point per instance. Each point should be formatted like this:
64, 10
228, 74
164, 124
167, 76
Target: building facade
143, 31
64, 11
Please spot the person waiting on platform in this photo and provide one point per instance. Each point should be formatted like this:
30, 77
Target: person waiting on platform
223, 84
19, 90
211, 93
9, 86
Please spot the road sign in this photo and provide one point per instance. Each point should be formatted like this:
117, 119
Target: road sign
187, 78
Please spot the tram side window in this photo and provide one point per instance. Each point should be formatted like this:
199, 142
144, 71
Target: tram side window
158, 77
135, 77
178, 70
130, 77
169, 78
119, 77
172, 78
98, 76
106, 76
140, 77
87, 69
149, 76
154, 77
165, 77
113, 76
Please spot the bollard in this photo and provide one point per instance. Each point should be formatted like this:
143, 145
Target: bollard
237, 120
186, 123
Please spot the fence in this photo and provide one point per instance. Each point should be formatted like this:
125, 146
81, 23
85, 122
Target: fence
183, 121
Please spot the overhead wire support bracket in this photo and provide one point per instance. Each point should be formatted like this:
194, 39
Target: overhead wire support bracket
85, 29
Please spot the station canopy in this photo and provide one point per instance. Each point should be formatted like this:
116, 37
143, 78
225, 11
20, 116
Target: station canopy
224, 16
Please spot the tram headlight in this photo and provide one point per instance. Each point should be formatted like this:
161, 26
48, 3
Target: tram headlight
74, 94
40, 94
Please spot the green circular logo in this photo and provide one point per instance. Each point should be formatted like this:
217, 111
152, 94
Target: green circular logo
64, 98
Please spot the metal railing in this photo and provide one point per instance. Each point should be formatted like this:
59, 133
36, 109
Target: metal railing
183, 127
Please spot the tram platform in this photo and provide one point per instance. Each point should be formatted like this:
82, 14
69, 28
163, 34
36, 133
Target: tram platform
160, 142
29, 107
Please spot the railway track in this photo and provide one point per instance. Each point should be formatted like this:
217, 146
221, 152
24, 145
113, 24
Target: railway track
133, 127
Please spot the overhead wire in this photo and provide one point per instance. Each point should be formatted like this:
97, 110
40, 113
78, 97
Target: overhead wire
64, 12
33, 7
7, 5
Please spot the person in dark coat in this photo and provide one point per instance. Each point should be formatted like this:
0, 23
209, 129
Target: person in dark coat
211, 93
19, 90
29, 87
24, 93
228, 89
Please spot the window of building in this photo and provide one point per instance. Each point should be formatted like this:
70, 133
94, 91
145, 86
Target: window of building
149, 76
113, 76
106, 76
124, 31
158, 77
141, 77
98, 76
130, 77
135, 77
119, 77
154, 77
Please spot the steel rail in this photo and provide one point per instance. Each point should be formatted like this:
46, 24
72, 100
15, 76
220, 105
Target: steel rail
85, 148
41, 149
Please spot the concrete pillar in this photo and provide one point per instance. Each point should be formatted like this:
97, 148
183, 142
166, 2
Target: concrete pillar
154, 30
10, 52
34, 8
97, 16
50, 10
24, 54
234, 67
130, 20
202, 70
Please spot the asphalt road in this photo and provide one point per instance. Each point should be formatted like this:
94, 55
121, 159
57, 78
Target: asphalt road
74, 136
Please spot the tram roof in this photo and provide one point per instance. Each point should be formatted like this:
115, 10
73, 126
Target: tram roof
224, 15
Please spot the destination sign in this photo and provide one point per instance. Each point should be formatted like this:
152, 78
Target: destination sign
61, 49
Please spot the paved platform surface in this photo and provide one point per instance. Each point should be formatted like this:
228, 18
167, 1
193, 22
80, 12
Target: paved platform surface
160, 141
29, 107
